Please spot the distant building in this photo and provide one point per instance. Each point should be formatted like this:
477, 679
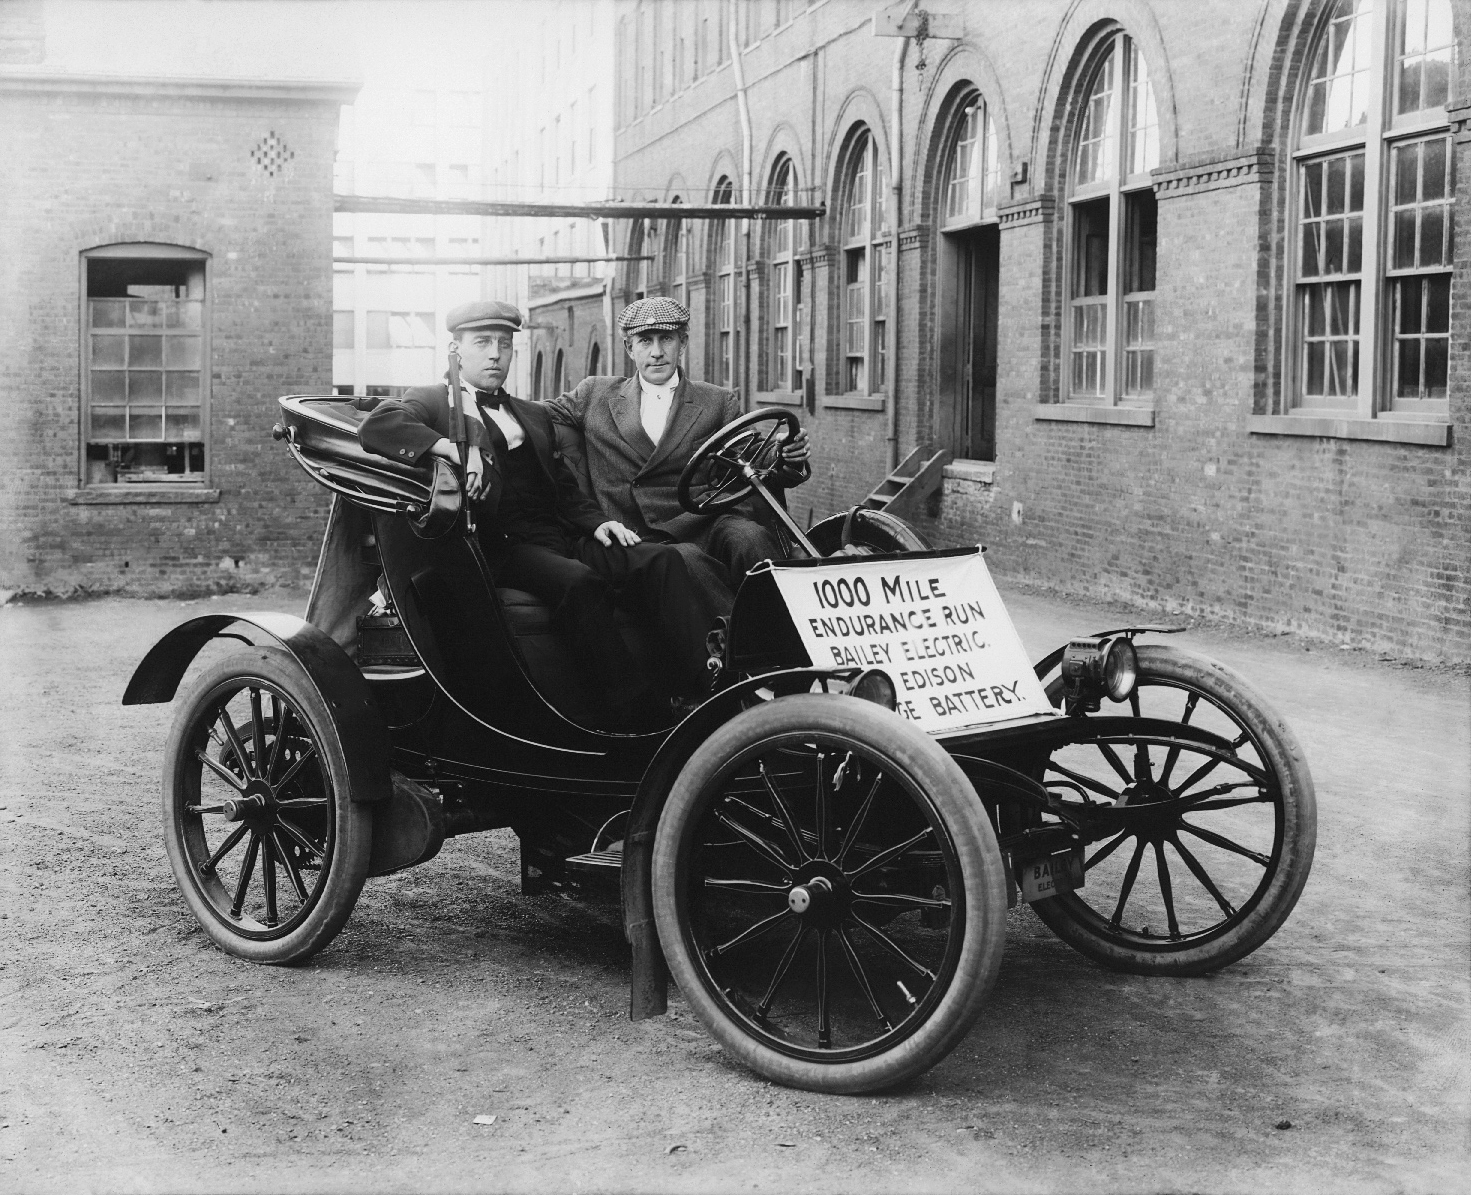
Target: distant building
553, 141
166, 216
1173, 283
417, 130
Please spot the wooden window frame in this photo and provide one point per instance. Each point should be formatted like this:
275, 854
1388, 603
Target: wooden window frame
723, 263
787, 361
1120, 51
864, 251
1382, 131
144, 251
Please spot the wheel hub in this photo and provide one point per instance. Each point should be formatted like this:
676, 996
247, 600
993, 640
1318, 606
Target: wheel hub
256, 798
821, 896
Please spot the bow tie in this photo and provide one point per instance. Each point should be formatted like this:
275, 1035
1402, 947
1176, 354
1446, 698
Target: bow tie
486, 399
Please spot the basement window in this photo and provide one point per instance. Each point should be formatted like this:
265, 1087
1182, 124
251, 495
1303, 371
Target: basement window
145, 365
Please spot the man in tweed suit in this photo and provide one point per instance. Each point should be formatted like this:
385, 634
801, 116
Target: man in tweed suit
639, 433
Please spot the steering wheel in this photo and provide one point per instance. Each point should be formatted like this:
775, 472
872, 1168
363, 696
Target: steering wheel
732, 461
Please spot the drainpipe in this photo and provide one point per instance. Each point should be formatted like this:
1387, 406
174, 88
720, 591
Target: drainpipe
896, 191
744, 108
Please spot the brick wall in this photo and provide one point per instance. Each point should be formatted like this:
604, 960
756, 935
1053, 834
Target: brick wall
1352, 540
86, 168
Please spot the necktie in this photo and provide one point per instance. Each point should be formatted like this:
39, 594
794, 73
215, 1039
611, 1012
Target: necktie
486, 399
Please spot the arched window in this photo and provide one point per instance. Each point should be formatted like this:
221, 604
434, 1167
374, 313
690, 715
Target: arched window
537, 393
723, 254
640, 241
865, 239
594, 359
1111, 231
677, 257
968, 283
1373, 190
972, 167
559, 380
787, 356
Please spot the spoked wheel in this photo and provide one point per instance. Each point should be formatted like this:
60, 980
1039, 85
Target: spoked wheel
719, 476
265, 841
829, 894
1209, 845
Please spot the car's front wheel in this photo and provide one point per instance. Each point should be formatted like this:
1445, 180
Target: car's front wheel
829, 894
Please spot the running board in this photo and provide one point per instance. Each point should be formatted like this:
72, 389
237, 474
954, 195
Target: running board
905, 490
597, 861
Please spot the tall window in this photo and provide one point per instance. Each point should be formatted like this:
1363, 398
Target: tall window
559, 380
594, 359
971, 175
680, 279
145, 370
1111, 230
639, 244
865, 235
1373, 187
724, 254
787, 238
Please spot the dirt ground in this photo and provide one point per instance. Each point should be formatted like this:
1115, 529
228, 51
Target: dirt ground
136, 1056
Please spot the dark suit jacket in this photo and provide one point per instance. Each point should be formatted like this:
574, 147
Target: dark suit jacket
635, 480
404, 429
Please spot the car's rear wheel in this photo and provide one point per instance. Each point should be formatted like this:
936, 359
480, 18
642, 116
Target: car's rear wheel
1218, 840
829, 893
266, 843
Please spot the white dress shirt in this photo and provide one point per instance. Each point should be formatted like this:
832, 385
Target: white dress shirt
654, 404
510, 427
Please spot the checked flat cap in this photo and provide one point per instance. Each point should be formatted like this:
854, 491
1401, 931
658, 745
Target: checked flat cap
655, 314
484, 313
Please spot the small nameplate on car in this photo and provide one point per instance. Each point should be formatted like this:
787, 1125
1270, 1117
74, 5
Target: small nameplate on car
932, 621
1052, 876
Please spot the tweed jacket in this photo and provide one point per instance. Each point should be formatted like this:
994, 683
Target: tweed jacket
635, 480
404, 429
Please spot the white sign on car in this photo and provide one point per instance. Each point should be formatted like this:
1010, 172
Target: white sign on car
933, 622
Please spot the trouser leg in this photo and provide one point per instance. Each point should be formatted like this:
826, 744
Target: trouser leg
582, 604
741, 543
654, 580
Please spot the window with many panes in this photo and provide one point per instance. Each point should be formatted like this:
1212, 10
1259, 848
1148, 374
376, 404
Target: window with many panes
723, 241
1372, 196
679, 280
786, 359
865, 241
1111, 223
145, 364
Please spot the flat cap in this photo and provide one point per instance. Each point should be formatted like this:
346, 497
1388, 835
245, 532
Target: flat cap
655, 314
484, 313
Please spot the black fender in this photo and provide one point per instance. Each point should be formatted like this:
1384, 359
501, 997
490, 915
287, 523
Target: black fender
340, 685
649, 981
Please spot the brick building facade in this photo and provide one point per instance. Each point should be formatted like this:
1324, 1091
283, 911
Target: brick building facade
1173, 282
167, 274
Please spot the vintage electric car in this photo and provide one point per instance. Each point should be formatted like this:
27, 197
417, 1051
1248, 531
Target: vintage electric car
822, 854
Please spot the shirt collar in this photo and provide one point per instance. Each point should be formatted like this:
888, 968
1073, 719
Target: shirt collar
666, 391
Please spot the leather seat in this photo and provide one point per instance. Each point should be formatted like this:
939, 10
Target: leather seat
551, 661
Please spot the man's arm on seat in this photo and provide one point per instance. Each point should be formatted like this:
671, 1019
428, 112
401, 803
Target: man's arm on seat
405, 429
568, 412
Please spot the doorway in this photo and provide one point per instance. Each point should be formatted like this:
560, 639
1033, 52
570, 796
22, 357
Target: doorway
969, 276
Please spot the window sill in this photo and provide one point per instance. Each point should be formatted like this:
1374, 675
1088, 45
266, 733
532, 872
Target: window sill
140, 494
855, 402
982, 472
1074, 412
1394, 431
779, 398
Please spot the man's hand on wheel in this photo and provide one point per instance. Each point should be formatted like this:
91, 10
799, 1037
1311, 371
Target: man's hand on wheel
796, 450
612, 530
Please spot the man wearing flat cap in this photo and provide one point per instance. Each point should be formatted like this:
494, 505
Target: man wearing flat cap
639, 433
538, 530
